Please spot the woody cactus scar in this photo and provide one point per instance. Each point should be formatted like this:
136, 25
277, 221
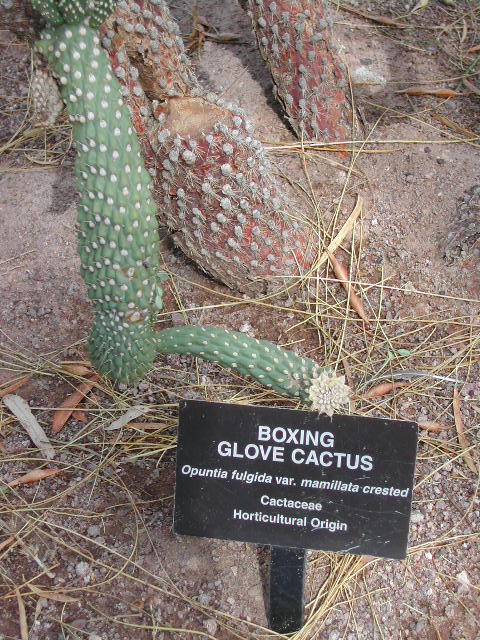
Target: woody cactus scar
213, 181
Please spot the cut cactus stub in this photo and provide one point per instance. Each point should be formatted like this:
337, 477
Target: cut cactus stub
228, 212
310, 79
213, 183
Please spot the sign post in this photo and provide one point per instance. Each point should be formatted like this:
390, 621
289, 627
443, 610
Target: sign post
294, 480
287, 576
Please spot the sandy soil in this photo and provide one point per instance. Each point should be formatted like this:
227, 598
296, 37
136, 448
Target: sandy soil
100, 532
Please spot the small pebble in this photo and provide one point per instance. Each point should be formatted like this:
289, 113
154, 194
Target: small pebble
82, 569
211, 626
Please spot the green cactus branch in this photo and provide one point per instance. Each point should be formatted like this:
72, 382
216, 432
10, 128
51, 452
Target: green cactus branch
277, 369
118, 235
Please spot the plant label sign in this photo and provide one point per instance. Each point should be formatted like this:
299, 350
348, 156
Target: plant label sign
294, 478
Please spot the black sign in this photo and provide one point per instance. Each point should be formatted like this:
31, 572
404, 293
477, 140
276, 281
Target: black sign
294, 478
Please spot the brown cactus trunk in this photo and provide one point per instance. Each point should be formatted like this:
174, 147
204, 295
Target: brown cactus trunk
213, 182
310, 80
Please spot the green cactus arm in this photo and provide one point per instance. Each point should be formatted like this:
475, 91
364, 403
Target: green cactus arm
49, 10
278, 369
100, 12
118, 235
57, 12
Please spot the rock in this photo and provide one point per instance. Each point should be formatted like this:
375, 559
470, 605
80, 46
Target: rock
204, 599
82, 569
464, 581
93, 531
367, 80
417, 517
211, 626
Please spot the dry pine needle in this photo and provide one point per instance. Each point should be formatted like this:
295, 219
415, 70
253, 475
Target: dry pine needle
33, 476
342, 274
70, 403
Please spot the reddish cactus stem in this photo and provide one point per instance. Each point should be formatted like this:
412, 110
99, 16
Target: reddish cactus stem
310, 80
213, 184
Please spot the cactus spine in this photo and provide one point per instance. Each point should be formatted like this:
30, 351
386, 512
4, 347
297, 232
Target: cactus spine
117, 237
277, 369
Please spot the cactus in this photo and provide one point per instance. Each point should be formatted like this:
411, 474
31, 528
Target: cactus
213, 184
45, 97
463, 231
117, 236
310, 80
214, 187
280, 370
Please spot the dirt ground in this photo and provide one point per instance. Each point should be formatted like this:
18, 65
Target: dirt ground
91, 550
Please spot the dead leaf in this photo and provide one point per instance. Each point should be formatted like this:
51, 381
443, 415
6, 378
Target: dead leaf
223, 36
461, 433
348, 371
80, 416
22, 615
473, 49
56, 596
435, 427
131, 414
436, 93
69, 404
388, 22
383, 20
421, 4
382, 389
33, 476
342, 275
464, 31
452, 125
21, 411
471, 87
14, 386
146, 426
76, 369
337, 241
